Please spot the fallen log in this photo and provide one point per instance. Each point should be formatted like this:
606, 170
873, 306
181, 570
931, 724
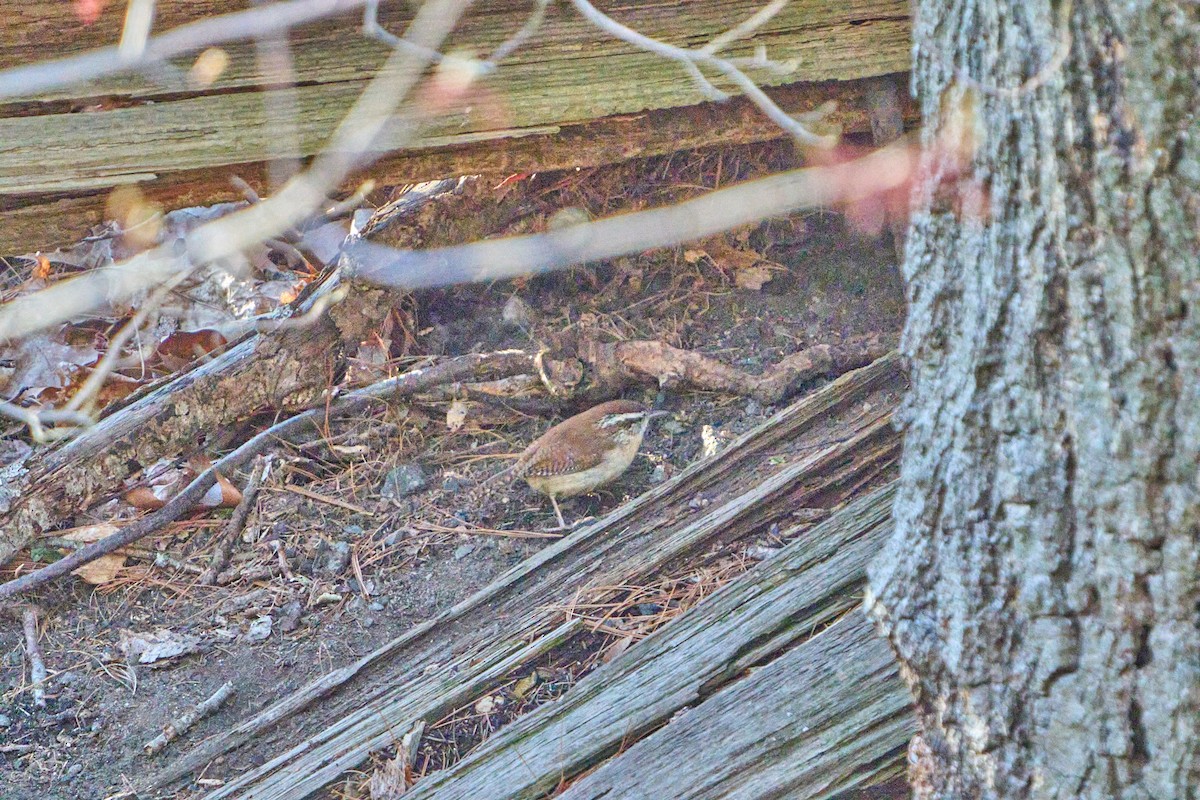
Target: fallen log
817, 453
748, 712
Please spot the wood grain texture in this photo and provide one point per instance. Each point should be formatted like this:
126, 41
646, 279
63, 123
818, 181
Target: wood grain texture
819, 719
137, 129
828, 717
41, 221
758, 480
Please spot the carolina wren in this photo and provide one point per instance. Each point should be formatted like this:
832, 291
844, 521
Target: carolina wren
586, 451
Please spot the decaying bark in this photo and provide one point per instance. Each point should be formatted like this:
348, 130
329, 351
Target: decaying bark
287, 372
1042, 585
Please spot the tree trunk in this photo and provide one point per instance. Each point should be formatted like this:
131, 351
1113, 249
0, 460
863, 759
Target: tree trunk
1042, 589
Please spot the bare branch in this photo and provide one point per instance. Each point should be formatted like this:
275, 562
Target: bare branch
239, 26
509, 45
225, 237
139, 17
373, 29
82, 400
1039, 78
273, 53
37, 420
475, 367
691, 59
497, 259
37, 667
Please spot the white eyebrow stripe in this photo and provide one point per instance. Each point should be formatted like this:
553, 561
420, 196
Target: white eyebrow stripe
609, 420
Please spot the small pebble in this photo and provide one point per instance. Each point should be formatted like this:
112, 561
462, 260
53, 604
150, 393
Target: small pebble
290, 616
403, 480
5, 721
659, 474
463, 550
376, 606
337, 559
260, 629
516, 313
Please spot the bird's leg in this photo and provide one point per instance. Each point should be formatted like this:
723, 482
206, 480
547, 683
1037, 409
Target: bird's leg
562, 525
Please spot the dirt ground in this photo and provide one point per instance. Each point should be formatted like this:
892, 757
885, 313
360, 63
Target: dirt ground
357, 539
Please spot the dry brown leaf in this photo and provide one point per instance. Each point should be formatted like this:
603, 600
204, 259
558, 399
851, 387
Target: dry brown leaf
160, 645
726, 256
167, 483
525, 685
42, 362
190, 345
104, 568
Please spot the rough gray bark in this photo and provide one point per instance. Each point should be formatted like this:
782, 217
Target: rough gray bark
1042, 585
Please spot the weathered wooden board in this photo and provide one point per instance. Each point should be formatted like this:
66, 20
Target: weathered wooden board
822, 718
830, 716
760, 479
134, 129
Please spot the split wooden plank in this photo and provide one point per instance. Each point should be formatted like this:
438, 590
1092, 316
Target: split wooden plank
826, 716
759, 480
170, 136
36, 222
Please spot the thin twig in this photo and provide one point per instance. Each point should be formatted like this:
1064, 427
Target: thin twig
478, 366
37, 667
510, 45
83, 399
233, 527
37, 420
157, 558
281, 109
691, 59
1039, 78
745, 27
182, 724
139, 17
